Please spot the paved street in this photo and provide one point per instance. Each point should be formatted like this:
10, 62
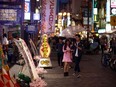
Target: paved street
93, 74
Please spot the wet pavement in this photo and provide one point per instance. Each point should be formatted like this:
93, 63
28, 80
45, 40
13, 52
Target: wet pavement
93, 74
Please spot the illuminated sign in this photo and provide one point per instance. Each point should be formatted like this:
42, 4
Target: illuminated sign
113, 20
27, 10
8, 14
45, 52
101, 30
36, 16
108, 11
45, 48
95, 11
95, 3
108, 27
113, 11
113, 3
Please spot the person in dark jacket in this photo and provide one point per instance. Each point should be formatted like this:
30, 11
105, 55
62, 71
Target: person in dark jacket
78, 55
59, 48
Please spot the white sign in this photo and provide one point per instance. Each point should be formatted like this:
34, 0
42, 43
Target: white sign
8, 15
27, 16
113, 3
36, 16
113, 11
48, 15
108, 11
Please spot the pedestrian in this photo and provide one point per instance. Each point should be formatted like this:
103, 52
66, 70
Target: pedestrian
73, 48
67, 57
104, 45
16, 53
5, 43
10, 50
113, 44
78, 55
59, 47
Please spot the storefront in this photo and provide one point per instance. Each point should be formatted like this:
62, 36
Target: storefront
11, 17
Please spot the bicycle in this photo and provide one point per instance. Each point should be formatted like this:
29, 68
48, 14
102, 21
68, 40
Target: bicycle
106, 58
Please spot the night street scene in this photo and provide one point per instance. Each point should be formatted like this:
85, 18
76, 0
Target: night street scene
57, 43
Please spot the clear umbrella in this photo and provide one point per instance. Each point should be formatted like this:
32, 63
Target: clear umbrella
71, 31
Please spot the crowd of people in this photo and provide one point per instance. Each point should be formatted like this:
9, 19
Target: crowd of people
71, 50
68, 50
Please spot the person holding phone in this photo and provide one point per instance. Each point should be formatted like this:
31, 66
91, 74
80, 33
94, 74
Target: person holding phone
78, 55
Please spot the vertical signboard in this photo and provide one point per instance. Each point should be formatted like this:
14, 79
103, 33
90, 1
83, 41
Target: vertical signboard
27, 10
113, 13
113, 3
113, 7
48, 16
108, 11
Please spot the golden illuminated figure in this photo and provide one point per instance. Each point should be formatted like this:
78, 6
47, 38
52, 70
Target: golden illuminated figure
45, 48
45, 52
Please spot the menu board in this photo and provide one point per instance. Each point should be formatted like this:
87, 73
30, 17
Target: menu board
8, 14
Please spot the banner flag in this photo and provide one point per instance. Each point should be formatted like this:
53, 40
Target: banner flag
48, 16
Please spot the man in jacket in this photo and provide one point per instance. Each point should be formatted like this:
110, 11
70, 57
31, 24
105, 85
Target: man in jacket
78, 54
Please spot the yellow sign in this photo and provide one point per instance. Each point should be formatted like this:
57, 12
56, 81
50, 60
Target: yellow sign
45, 52
46, 62
113, 20
45, 48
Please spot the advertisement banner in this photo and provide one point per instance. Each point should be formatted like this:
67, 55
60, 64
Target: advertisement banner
48, 16
27, 10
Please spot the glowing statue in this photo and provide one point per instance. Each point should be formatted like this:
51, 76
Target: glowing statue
45, 52
45, 48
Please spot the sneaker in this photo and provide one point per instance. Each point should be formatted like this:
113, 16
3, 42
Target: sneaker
74, 74
78, 76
